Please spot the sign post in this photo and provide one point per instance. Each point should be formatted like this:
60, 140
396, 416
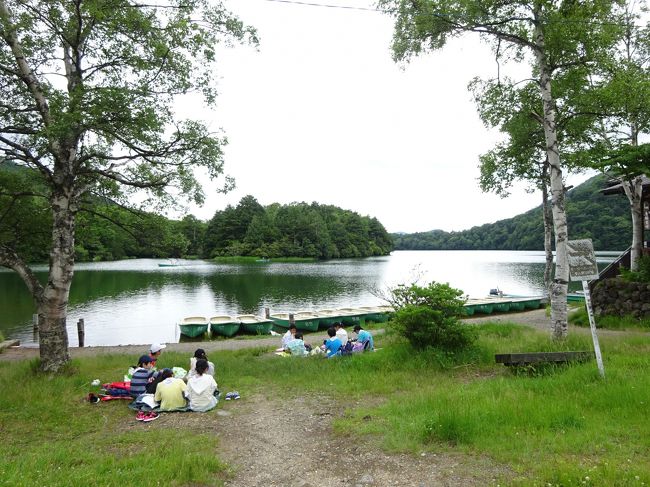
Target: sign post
583, 267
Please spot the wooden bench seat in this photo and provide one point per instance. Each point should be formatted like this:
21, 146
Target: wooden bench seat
541, 357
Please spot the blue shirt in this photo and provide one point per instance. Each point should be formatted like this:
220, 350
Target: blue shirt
333, 347
365, 336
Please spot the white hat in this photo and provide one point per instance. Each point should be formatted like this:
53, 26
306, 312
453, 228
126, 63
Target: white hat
156, 347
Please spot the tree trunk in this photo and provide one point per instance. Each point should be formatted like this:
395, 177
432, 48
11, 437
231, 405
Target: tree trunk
548, 236
633, 190
54, 306
560, 282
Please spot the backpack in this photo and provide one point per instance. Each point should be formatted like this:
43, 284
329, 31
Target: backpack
347, 348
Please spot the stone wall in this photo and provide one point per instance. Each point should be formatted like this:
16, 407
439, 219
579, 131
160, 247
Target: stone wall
617, 297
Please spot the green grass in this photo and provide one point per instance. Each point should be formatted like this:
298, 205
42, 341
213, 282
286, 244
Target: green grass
560, 425
580, 317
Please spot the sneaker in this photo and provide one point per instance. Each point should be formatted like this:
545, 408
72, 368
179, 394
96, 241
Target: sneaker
229, 396
141, 415
235, 395
150, 417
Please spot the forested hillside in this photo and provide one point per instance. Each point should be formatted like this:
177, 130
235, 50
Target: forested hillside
294, 230
604, 219
107, 231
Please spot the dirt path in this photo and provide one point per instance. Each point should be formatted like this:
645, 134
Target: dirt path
289, 442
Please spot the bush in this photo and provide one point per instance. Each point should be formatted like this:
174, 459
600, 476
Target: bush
428, 317
641, 275
425, 327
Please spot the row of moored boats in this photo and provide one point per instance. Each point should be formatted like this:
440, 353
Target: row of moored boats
226, 325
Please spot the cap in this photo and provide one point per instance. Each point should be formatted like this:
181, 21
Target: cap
145, 359
156, 347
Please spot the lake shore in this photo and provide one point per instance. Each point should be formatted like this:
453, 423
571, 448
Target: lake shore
535, 318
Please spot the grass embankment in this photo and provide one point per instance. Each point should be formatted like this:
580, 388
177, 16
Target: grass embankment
558, 426
580, 317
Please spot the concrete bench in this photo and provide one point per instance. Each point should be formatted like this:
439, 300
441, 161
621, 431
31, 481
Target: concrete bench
530, 358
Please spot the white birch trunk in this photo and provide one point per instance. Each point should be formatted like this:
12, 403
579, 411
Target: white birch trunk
560, 282
633, 190
548, 236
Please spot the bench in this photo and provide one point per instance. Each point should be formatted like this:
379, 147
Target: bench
9, 343
530, 358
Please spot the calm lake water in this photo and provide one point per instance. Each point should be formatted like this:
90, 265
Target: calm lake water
137, 302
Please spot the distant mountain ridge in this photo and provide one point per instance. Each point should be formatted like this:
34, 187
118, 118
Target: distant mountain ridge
604, 219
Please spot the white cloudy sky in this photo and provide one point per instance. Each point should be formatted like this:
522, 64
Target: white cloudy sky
320, 112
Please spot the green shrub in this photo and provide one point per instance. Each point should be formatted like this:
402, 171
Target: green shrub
428, 316
642, 274
581, 318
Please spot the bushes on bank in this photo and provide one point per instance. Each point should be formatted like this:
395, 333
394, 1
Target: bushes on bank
428, 317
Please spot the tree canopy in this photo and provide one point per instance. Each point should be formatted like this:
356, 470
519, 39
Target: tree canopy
87, 92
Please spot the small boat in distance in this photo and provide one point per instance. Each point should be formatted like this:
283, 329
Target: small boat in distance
193, 326
255, 324
304, 320
224, 325
171, 263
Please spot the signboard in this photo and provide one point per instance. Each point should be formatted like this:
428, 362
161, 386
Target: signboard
582, 260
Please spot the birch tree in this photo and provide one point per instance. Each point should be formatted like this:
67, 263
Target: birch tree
86, 105
555, 34
621, 97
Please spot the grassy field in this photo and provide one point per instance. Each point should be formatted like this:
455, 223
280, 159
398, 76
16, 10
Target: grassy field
553, 425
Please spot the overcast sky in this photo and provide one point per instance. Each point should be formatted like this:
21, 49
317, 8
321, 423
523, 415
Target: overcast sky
320, 112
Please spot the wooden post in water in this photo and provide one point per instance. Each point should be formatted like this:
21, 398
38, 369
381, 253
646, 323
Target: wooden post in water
267, 313
292, 320
81, 332
35, 323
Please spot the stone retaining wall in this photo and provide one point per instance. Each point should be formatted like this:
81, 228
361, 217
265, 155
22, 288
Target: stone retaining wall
616, 297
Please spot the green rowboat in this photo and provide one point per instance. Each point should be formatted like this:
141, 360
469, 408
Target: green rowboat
225, 326
193, 326
304, 320
255, 324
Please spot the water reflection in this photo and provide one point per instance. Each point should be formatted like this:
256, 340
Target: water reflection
135, 301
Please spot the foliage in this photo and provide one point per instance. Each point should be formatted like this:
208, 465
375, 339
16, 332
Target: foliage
298, 230
591, 214
640, 275
428, 316
581, 318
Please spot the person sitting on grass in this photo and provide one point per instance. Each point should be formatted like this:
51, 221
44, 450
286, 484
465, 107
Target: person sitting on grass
341, 333
198, 355
154, 352
201, 388
365, 338
142, 375
170, 392
296, 346
289, 335
333, 344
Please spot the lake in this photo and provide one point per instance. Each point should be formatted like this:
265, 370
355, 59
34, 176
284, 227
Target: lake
137, 302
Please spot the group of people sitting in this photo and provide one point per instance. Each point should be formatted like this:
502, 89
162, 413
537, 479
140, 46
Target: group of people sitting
293, 342
161, 390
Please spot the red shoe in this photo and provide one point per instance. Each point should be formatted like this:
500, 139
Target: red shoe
150, 417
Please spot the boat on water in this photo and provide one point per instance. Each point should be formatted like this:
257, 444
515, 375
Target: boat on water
168, 264
224, 325
327, 317
352, 316
193, 326
255, 324
375, 313
304, 320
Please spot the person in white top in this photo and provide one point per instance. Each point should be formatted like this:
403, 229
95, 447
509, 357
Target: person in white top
289, 335
200, 354
341, 334
201, 389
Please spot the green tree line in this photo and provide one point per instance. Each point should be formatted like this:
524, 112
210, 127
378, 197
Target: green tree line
591, 214
107, 231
